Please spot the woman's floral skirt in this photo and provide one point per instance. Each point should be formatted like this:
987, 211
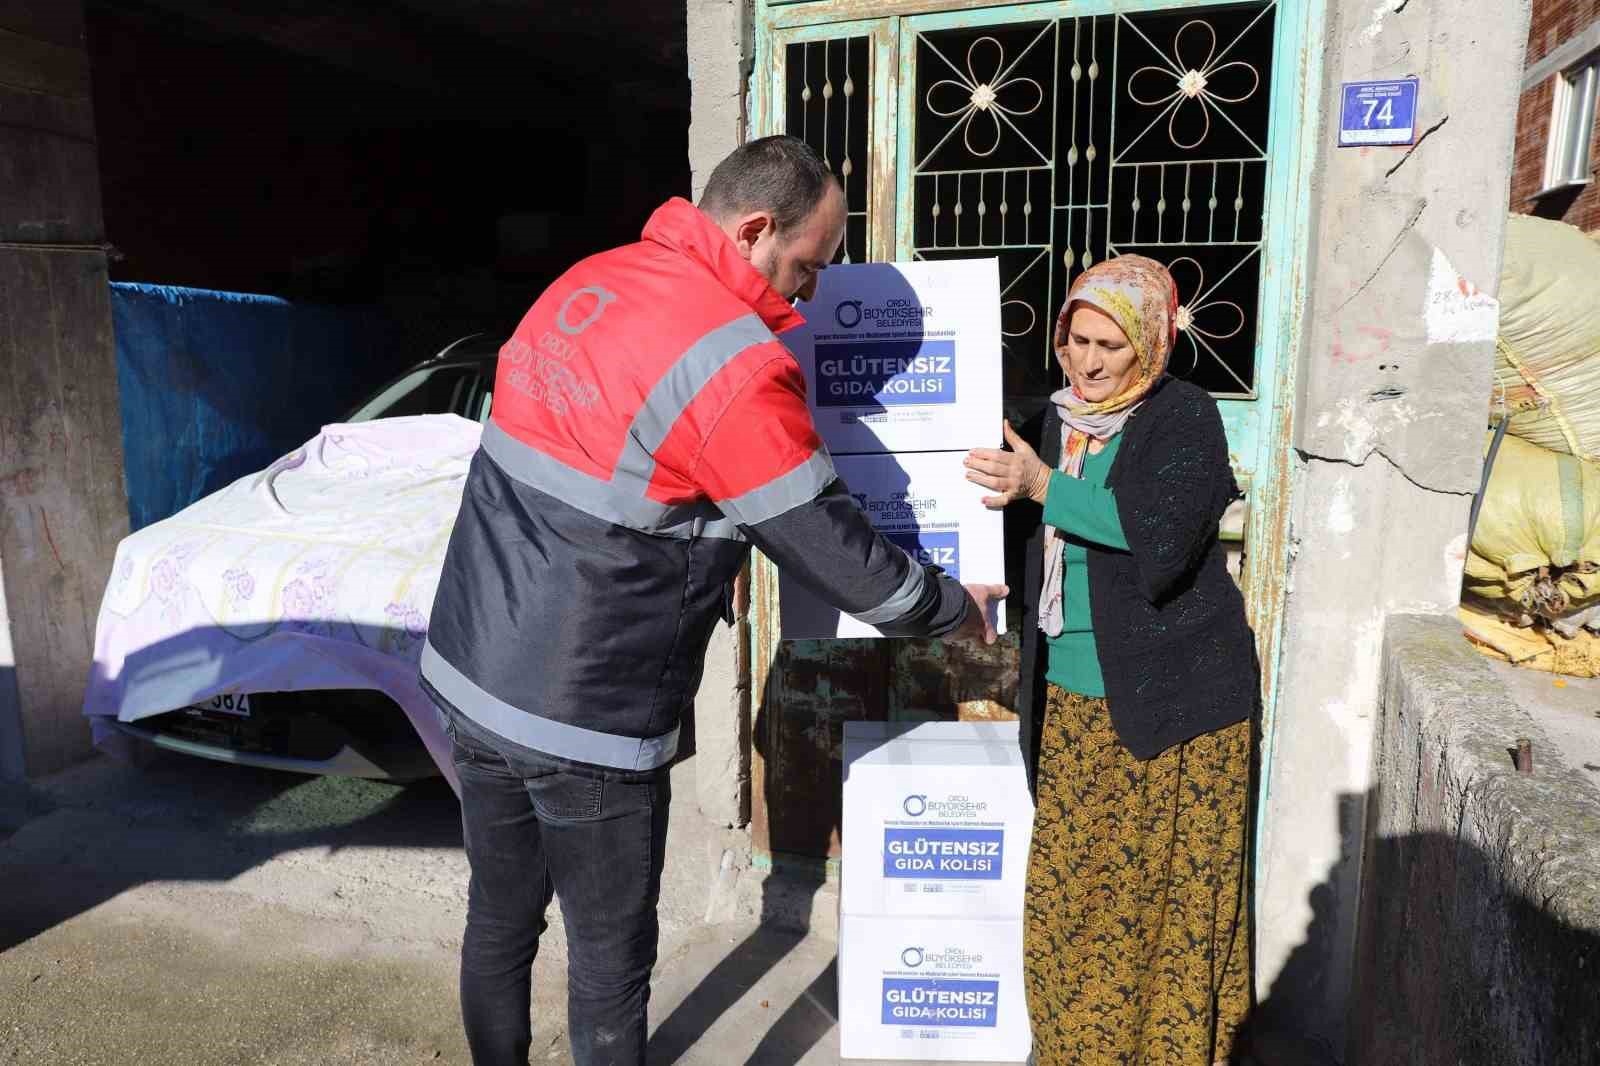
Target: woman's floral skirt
1138, 927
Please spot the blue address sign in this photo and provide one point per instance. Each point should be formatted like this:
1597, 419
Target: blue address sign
1378, 112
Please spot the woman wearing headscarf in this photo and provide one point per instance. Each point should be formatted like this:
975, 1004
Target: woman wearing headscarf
1139, 683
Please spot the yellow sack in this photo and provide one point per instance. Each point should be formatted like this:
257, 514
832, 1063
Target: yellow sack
1547, 366
1533, 649
1536, 549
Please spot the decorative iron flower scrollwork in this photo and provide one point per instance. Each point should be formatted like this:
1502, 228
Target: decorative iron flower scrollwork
1197, 305
984, 96
1017, 310
1196, 83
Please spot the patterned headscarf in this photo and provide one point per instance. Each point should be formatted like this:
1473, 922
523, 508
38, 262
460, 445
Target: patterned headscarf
1139, 295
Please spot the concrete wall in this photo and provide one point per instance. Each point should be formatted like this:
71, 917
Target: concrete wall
1560, 33
1393, 385
62, 508
720, 46
1480, 908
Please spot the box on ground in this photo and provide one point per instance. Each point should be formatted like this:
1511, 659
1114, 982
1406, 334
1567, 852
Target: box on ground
937, 820
904, 356
923, 502
941, 989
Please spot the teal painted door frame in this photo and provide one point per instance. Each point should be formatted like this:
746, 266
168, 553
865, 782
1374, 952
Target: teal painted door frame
1259, 425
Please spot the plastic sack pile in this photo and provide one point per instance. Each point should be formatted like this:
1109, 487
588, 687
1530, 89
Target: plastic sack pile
1531, 592
1547, 357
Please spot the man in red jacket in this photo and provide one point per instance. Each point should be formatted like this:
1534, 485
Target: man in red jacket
648, 428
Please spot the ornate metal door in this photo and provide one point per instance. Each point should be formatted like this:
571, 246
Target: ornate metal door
1048, 136
1052, 144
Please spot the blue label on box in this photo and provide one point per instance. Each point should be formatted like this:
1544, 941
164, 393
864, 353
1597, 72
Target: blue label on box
944, 854
940, 549
931, 1001
886, 373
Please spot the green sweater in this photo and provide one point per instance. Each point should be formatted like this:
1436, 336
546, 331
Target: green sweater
1086, 511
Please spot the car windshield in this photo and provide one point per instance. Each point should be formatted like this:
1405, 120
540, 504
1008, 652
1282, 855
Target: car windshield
463, 390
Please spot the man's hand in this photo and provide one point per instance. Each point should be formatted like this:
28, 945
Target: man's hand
1016, 474
979, 626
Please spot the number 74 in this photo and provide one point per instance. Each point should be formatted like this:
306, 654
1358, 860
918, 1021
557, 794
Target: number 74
1385, 114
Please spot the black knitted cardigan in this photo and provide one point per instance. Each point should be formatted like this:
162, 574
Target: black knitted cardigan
1175, 650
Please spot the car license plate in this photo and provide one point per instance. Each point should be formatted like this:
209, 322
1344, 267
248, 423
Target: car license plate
235, 704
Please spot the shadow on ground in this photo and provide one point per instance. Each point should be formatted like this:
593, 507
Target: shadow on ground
141, 824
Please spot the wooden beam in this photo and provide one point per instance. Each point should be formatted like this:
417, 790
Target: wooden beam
62, 506
415, 52
41, 67
44, 20
49, 169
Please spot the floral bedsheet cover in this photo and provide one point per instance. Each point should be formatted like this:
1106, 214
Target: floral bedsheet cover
316, 573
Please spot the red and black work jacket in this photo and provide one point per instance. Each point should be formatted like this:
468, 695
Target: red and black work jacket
647, 428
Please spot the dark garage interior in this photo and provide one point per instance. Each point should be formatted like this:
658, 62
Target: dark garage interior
353, 187
293, 203
225, 224
438, 160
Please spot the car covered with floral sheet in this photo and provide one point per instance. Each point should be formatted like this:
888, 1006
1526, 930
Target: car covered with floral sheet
278, 622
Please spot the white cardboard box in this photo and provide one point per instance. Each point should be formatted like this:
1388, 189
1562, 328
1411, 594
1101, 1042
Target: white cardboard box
937, 820
940, 989
904, 356
923, 502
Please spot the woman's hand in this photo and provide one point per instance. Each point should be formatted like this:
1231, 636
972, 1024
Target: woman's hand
1017, 474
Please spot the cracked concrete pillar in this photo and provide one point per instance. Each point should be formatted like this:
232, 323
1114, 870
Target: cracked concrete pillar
62, 504
720, 45
1393, 381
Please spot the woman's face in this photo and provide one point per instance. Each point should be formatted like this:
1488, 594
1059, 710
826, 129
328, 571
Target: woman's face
1097, 357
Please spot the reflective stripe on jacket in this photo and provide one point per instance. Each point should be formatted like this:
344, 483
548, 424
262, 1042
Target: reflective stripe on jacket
647, 426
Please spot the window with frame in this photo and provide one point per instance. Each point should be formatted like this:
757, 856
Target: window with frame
1572, 126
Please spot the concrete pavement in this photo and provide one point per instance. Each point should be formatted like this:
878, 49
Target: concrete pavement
192, 912
187, 912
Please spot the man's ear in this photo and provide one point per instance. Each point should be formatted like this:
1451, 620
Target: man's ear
749, 229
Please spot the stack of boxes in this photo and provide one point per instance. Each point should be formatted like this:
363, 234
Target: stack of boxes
937, 823
902, 365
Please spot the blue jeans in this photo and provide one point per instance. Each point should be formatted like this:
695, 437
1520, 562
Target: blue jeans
536, 826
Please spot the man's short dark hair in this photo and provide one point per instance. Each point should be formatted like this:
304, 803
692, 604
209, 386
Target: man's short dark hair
782, 175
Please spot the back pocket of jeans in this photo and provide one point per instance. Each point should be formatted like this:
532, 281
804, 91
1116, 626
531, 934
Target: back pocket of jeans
566, 797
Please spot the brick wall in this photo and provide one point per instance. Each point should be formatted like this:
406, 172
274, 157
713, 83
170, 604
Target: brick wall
1533, 133
1553, 22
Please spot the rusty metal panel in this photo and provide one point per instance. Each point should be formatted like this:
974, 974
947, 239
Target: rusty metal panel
43, 66
939, 680
812, 688
804, 693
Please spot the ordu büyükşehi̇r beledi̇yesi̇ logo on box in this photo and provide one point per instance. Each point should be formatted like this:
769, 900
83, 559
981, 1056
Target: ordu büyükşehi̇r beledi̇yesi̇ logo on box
892, 365
945, 838
943, 988
906, 510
